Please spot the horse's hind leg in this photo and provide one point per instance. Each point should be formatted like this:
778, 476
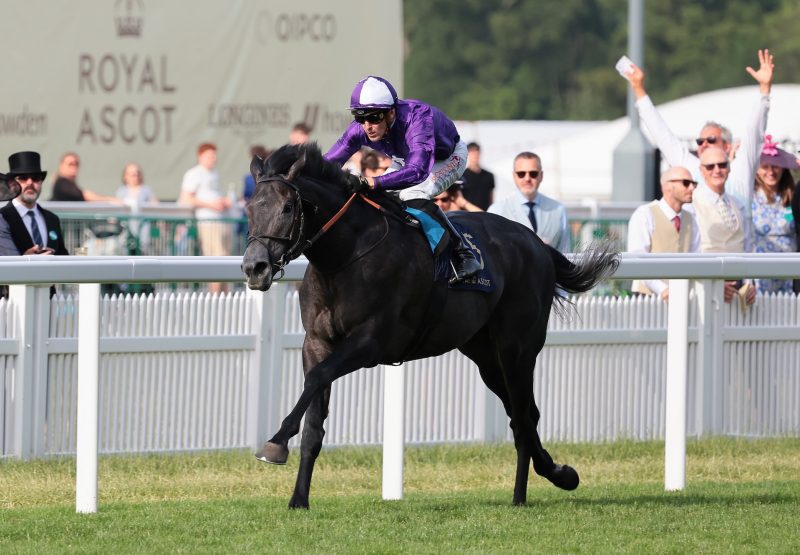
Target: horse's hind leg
482, 350
560, 475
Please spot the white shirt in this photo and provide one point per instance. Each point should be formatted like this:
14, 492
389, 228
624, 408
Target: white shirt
23, 213
742, 176
551, 217
640, 235
204, 185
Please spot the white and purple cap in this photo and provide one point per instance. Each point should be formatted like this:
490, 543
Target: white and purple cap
371, 94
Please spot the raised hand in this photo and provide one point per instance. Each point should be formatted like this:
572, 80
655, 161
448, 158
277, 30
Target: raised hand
636, 77
764, 74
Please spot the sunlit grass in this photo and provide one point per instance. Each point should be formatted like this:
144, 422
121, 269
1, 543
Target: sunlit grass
741, 496
354, 471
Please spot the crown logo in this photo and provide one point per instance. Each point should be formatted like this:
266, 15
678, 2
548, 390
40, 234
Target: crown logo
128, 17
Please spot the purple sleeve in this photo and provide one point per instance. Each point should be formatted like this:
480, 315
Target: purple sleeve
351, 140
420, 142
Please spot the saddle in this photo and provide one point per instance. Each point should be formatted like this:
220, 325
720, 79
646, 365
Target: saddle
438, 239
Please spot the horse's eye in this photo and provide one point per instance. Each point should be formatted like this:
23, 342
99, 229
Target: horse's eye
288, 207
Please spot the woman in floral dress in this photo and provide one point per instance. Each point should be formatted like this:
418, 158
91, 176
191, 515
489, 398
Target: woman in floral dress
773, 221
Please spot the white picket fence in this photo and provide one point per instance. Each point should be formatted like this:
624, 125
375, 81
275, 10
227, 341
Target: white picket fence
192, 371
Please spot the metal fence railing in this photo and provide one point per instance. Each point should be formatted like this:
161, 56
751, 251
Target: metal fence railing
165, 235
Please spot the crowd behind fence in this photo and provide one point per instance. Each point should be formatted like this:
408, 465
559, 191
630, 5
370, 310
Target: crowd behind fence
172, 231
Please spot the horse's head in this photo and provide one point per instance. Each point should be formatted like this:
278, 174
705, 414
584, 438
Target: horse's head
294, 188
276, 222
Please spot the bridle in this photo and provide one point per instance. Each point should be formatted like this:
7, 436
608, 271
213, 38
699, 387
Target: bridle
299, 244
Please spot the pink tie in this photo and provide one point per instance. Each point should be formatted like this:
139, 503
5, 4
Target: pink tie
677, 221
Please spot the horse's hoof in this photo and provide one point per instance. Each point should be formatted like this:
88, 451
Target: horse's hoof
273, 453
298, 503
564, 477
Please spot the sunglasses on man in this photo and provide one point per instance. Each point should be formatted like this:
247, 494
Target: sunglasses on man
375, 117
720, 165
684, 182
712, 140
533, 173
22, 179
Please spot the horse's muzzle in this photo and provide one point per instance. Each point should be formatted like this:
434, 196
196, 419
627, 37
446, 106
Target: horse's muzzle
258, 271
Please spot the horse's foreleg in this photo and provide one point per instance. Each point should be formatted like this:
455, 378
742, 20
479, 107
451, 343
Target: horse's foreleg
347, 358
310, 446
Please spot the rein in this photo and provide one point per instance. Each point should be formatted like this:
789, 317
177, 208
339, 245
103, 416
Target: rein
300, 245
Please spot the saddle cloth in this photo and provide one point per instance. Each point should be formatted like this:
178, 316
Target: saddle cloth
442, 249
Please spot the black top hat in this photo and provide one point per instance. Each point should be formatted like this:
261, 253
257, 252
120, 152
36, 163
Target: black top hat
25, 163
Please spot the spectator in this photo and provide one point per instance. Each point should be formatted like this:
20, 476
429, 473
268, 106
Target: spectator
8, 188
353, 164
545, 216
713, 134
664, 226
299, 134
249, 182
452, 199
374, 163
25, 227
773, 224
478, 183
796, 218
65, 187
202, 191
721, 218
133, 191
135, 194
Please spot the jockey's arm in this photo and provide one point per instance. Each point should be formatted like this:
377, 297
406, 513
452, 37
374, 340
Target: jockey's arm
421, 144
347, 145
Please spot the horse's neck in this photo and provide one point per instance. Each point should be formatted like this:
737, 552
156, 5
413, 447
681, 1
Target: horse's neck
358, 229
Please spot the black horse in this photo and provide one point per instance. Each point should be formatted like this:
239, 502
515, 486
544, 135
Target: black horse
368, 288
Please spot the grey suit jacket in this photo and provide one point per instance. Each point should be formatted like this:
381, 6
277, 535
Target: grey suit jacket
7, 246
551, 217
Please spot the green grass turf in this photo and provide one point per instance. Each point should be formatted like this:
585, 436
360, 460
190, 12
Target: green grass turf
741, 496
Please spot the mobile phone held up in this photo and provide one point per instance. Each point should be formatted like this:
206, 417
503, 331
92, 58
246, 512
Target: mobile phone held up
623, 66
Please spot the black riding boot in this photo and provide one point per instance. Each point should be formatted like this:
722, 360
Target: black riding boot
465, 264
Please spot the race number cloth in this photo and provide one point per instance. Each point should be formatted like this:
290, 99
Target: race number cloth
442, 251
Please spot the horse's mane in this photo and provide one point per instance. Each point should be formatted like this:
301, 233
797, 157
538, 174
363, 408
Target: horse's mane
306, 160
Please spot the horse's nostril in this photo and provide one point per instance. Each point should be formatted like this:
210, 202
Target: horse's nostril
254, 268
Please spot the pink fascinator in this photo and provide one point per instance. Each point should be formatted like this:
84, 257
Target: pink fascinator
772, 155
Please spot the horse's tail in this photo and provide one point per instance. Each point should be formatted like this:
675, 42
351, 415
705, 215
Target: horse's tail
592, 266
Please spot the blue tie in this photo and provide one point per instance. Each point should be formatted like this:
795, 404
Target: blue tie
37, 237
532, 216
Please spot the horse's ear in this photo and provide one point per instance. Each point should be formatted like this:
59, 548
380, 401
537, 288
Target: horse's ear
298, 166
257, 168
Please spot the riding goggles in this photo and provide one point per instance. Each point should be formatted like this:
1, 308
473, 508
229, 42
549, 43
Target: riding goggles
374, 117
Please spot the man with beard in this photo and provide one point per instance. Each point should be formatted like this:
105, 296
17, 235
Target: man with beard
26, 226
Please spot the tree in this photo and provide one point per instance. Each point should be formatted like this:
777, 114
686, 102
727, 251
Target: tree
526, 59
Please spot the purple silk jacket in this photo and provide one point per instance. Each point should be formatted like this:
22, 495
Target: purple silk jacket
419, 136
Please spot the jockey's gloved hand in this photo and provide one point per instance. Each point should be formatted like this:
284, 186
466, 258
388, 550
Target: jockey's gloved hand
358, 184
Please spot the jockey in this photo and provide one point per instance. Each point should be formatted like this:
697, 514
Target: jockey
427, 154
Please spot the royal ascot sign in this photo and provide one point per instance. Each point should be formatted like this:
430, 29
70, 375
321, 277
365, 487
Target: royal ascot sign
147, 80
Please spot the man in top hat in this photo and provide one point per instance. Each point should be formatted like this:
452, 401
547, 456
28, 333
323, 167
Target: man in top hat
25, 227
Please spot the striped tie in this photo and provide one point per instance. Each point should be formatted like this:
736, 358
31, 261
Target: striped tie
37, 237
726, 212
